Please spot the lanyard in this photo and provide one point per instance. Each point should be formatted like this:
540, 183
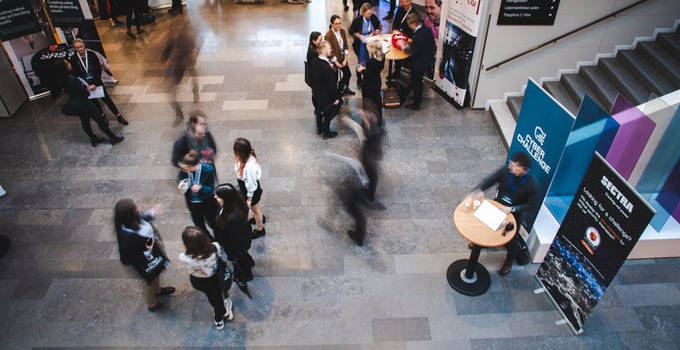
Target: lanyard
85, 64
196, 178
368, 25
406, 15
520, 181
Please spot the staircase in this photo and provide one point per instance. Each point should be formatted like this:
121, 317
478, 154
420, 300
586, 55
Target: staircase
649, 66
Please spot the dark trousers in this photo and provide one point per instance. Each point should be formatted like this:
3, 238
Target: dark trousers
417, 86
243, 267
176, 6
345, 74
353, 200
101, 122
317, 115
136, 7
374, 98
211, 287
108, 102
393, 7
327, 115
514, 247
205, 211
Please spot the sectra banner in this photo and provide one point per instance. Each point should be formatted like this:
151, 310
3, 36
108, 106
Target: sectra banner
601, 227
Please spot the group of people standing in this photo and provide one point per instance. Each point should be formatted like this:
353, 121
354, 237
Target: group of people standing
221, 230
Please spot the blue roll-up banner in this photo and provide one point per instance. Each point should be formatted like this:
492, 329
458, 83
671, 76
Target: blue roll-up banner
542, 130
601, 227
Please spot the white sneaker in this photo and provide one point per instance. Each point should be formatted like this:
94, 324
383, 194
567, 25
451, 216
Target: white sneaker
229, 316
219, 325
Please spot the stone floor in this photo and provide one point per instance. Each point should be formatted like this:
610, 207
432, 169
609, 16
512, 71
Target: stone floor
62, 285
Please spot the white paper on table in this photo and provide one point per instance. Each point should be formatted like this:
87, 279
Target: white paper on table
490, 215
98, 92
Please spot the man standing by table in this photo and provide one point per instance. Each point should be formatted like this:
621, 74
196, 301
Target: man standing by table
517, 193
325, 91
422, 53
86, 66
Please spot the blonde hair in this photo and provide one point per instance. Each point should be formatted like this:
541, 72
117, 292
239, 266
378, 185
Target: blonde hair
375, 50
365, 7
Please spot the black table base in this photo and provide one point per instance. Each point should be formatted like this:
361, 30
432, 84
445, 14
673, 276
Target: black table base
467, 276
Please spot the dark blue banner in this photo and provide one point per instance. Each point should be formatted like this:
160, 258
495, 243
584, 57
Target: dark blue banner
17, 18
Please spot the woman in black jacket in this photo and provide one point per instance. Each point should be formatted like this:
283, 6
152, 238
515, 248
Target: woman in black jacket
140, 245
234, 230
370, 93
79, 104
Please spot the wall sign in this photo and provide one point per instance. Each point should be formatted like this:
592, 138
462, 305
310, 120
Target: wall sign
17, 19
528, 12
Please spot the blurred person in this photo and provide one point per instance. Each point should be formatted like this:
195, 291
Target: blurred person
517, 192
114, 10
422, 53
200, 257
176, 8
337, 37
325, 91
178, 55
370, 92
399, 23
364, 25
86, 65
248, 174
140, 245
197, 181
79, 103
233, 230
198, 138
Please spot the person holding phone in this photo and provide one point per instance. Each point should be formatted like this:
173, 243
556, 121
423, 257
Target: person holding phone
197, 181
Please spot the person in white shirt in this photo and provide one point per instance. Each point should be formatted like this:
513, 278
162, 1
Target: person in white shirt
248, 173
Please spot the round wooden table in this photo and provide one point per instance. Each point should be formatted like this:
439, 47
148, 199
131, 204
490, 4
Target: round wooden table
392, 55
468, 276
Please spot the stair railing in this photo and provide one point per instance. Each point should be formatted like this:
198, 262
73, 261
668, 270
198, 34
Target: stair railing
556, 39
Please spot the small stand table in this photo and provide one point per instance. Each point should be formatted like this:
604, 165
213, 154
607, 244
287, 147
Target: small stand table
393, 54
467, 276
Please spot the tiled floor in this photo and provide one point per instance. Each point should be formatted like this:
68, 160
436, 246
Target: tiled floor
62, 284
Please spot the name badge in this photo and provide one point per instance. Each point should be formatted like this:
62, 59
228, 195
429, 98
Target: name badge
507, 200
89, 78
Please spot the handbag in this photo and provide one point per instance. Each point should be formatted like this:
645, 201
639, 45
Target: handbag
224, 274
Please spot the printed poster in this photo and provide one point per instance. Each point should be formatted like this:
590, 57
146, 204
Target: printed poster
17, 18
601, 227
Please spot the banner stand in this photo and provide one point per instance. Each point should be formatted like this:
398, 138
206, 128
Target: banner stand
562, 321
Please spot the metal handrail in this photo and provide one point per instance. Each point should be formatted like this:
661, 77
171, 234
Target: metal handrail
554, 40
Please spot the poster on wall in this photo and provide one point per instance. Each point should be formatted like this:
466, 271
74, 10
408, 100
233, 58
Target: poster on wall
21, 49
452, 69
65, 13
17, 18
528, 12
542, 130
602, 225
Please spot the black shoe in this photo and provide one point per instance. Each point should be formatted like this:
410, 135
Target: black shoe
130, 35
355, 237
349, 92
389, 16
252, 220
94, 141
122, 120
258, 233
166, 291
506, 268
116, 139
329, 135
155, 307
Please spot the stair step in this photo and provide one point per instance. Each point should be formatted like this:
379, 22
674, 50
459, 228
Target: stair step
561, 94
603, 88
577, 88
515, 105
671, 42
661, 58
625, 81
656, 81
505, 122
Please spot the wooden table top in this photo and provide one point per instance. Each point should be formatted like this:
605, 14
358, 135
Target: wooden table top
393, 53
476, 232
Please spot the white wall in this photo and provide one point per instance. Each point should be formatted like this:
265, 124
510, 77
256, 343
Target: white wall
505, 41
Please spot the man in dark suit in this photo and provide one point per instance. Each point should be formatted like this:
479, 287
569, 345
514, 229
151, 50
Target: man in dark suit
325, 91
422, 53
517, 192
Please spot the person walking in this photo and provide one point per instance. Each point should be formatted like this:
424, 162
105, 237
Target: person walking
140, 245
197, 181
248, 174
78, 103
233, 230
200, 257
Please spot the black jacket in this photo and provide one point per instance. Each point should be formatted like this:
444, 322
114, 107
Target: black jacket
399, 22
524, 198
372, 79
94, 67
236, 237
422, 49
183, 145
355, 27
324, 82
78, 101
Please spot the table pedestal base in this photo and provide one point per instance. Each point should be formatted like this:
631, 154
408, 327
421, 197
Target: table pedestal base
477, 285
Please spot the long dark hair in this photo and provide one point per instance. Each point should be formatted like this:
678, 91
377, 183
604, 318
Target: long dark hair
243, 150
234, 207
126, 214
333, 18
197, 243
312, 37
